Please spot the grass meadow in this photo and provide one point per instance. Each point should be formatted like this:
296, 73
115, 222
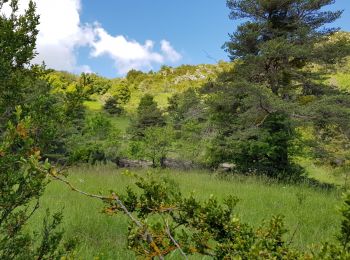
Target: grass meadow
310, 213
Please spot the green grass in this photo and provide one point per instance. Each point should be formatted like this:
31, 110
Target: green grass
120, 122
310, 212
160, 97
93, 105
327, 174
343, 80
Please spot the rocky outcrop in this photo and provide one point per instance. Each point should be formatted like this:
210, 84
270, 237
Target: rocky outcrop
166, 163
178, 164
127, 163
226, 167
338, 162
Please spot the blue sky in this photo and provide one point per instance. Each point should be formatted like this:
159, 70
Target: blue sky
195, 28
110, 37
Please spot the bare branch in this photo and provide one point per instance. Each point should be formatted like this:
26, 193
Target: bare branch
167, 230
294, 233
262, 121
146, 236
80, 191
303, 116
263, 107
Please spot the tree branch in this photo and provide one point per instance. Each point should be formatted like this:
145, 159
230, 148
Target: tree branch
147, 236
167, 230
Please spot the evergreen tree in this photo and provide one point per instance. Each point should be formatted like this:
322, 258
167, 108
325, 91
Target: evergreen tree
275, 53
120, 96
112, 106
280, 39
148, 115
185, 107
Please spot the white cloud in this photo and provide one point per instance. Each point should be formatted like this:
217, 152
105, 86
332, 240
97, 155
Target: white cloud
170, 53
129, 54
84, 68
61, 34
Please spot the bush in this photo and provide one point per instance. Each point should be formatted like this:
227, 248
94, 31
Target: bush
23, 179
98, 141
162, 221
112, 106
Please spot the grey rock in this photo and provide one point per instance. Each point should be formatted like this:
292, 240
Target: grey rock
127, 163
178, 164
226, 167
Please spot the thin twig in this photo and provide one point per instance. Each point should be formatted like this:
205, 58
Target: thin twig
210, 57
294, 233
37, 204
262, 121
30, 215
263, 107
126, 211
80, 191
147, 236
163, 209
167, 230
297, 116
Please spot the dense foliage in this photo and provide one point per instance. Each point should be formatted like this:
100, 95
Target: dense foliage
165, 221
274, 87
29, 119
22, 182
275, 101
98, 141
148, 115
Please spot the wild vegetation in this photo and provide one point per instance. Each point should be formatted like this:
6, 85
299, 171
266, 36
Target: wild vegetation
310, 214
245, 142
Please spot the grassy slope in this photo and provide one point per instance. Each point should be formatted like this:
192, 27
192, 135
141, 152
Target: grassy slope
312, 213
162, 84
165, 83
327, 174
342, 79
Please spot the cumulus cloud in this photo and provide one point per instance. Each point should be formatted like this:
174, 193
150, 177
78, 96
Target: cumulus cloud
130, 54
61, 34
170, 53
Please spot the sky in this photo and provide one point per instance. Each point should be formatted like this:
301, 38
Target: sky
110, 37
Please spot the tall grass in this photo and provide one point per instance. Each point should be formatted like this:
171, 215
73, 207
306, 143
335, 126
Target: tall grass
310, 213
339, 176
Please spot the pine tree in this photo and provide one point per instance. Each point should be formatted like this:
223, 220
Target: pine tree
148, 115
280, 39
277, 51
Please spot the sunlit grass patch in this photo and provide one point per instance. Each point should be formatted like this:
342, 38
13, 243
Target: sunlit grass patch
310, 213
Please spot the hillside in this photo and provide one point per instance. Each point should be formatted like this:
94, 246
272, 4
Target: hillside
168, 81
161, 84
341, 77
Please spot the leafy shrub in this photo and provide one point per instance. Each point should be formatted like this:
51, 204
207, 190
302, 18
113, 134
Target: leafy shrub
112, 106
162, 221
97, 142
28, 114
23, 179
